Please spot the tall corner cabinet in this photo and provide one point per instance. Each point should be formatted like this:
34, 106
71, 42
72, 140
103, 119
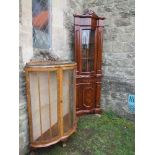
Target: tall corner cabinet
88, 29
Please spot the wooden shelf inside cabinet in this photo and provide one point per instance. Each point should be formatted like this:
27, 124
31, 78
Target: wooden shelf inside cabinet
88, 55
50, 88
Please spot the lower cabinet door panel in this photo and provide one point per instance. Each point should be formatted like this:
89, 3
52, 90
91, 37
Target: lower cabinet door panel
85, 97
88, 96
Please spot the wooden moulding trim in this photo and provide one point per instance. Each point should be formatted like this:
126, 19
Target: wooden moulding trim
49, 95
90, 26
68, 95
39, 104
54, 140
49, 68
99, 82
98, 110
77, 45
52, 66
81, 112
89, 76
92, 111
60, 100
89, 16
75, 91
83, 83
98, 75
40, 69
68, 68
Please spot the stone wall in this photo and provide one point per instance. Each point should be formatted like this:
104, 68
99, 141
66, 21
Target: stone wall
118, 53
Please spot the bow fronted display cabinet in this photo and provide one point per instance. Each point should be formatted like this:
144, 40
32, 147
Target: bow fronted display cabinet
88, 55
51, 102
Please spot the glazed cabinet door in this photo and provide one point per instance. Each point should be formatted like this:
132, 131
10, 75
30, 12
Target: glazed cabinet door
88, 50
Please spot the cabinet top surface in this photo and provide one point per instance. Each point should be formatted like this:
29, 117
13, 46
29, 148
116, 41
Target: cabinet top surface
50, 63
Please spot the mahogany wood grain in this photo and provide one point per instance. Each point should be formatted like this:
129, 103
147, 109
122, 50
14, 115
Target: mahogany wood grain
88, 83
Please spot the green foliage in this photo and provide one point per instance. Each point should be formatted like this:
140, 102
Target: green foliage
105, 135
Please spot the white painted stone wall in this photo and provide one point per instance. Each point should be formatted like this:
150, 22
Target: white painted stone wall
59, 33
25, 30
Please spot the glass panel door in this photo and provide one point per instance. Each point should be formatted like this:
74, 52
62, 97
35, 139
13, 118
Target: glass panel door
43, 90
88, 49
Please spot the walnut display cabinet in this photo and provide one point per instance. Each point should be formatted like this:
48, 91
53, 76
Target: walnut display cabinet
51, 102
88, 55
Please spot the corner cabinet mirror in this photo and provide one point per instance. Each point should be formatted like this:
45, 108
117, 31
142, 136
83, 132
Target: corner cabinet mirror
88, 29
51, 102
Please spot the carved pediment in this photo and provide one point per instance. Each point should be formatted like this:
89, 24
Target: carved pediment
89, 12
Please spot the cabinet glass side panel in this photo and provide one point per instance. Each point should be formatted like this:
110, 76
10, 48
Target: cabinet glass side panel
88, 49
44, 104
54, 104
34, 94
43, 92
68, 100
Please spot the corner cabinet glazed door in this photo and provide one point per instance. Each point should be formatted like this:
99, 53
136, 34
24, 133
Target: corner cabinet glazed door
88, 50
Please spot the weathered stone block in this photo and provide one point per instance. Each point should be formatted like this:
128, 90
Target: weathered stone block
122, 22
132, 13
110, 61
122, 5
126, 37
131, 5
117, 46
94, 3
128, 47
119, 56
129, 29
122, 73
124, 14
107, 46
108, 9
